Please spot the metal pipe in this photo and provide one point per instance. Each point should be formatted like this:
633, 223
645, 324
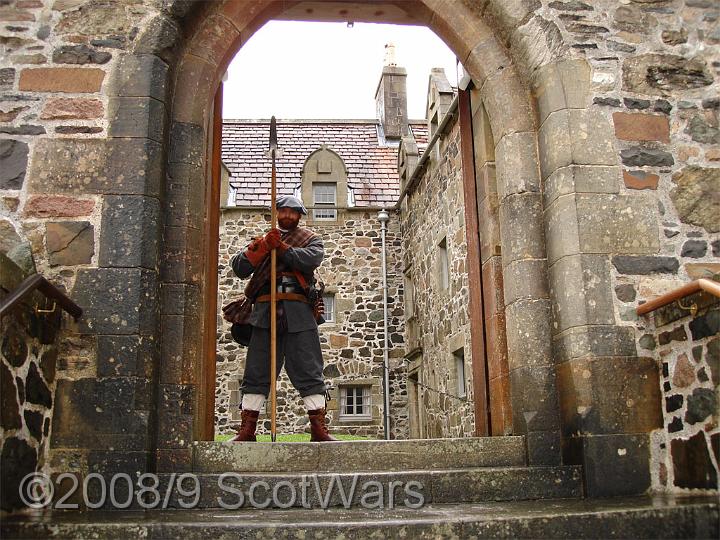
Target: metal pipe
384, 217
698, 285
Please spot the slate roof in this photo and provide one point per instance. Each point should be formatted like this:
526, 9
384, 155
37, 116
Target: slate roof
372, 165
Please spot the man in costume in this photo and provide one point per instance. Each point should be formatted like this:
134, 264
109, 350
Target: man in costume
299, 253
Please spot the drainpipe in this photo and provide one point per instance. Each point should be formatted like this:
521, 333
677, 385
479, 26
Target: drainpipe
383, 217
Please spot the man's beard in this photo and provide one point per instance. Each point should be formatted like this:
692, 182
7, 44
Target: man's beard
288, 223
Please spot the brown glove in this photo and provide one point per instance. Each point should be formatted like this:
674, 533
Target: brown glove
257, 251
274, 241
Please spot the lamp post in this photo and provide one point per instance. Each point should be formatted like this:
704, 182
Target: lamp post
384, 217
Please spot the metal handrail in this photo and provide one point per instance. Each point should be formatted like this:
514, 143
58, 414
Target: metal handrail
37, 281
698, 285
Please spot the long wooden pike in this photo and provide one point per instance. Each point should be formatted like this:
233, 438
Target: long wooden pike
273, 288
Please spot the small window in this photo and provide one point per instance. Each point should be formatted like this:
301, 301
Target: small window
325, 194
329, 300
443, 265
459, 356
409, 296
355, 402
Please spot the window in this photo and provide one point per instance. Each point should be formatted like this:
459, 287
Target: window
355, 402
409, 296
443, 265
325, 194
459, 357
329, 300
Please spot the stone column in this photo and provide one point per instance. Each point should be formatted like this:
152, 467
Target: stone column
609, 397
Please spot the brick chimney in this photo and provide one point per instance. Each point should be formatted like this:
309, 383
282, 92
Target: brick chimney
391, 97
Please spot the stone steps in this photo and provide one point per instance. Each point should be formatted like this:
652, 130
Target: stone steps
324, 490
636, 517
364, 455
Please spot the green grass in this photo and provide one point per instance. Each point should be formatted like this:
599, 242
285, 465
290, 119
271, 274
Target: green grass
294, 437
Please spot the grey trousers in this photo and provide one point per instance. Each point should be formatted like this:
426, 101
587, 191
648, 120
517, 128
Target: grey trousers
300, 353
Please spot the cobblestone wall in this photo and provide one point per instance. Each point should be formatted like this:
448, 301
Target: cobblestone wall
352, 346
435, 211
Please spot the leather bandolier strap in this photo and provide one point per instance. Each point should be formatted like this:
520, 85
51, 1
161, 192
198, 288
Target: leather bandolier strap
284, 296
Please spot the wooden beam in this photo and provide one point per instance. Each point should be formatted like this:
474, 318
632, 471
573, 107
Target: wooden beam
206, 385
474, 268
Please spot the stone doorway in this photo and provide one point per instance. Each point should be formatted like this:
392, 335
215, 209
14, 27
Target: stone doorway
132, 172
143, 167
218, 30
415, 406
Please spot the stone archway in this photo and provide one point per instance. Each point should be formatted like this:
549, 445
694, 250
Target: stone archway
565, 215
215, 36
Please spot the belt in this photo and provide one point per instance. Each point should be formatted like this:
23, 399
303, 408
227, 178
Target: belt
284, 296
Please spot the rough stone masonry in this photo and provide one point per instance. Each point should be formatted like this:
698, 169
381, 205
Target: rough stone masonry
604, 120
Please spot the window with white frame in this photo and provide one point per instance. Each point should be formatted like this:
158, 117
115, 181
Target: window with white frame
329, 300
355, 402
324, 194
443, 265
459, 357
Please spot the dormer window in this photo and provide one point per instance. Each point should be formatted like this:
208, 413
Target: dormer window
324, 194
324, 185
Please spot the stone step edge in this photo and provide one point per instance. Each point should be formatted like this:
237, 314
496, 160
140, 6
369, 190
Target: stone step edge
437, 470
457, 440
534, 521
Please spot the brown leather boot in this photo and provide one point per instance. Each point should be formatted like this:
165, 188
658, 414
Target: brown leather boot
247, 426
318, 426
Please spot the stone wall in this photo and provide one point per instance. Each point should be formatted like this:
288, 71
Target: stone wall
28, 358
654, 75
80, 170
434, 210
352, 346
622, 97
683, 338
